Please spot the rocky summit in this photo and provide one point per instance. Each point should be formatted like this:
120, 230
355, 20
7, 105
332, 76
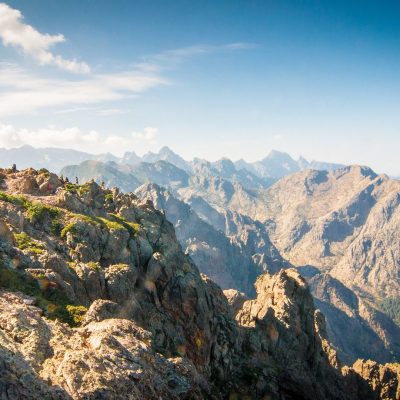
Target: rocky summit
98, 301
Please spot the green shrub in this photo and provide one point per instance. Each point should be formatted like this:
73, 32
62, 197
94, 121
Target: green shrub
37, 212
76, 313
93, 265
44, 171
109, 197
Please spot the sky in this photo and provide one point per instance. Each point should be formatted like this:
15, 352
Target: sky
209, 79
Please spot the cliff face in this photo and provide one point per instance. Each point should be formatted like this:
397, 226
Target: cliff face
99, 301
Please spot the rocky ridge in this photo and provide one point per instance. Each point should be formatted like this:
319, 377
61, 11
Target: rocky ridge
99, 301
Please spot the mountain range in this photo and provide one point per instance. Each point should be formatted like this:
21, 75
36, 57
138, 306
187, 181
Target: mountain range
98, 301
274, 166
337, 225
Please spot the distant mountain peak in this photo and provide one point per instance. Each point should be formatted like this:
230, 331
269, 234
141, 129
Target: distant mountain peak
167, 150
276, 154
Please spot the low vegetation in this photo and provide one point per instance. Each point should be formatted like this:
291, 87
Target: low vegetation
25, 242
36, 212
114, 222
76, 313
54, 303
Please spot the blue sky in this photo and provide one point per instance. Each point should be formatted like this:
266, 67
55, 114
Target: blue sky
207, 78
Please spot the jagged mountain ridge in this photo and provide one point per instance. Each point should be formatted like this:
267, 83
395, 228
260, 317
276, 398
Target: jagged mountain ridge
225, 204
153, 326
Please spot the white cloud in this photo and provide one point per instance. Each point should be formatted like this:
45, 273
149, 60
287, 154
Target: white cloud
15, 33
74, 138
148, 134
23, 93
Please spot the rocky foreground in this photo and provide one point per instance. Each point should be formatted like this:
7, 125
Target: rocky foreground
98, 301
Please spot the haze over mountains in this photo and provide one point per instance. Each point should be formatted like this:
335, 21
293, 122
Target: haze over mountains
275, 165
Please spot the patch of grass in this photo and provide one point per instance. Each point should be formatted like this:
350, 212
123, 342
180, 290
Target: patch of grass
38, 275
69, 228
79, 189
132, 227
73, 226
17, 200
112, 224
85, 188
25, 242
109, 197
71, 187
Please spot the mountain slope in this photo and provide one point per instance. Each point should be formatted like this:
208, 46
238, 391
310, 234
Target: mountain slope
232, 257
345, 222
127, 177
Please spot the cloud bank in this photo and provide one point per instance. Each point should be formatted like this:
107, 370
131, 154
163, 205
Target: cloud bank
74, 138
15, 33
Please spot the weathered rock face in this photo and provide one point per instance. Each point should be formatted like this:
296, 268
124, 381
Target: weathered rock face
368, 378
155, 327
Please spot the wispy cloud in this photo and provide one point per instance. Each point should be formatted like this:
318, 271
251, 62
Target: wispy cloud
74, 138
15, 33
171, 58
22, 92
